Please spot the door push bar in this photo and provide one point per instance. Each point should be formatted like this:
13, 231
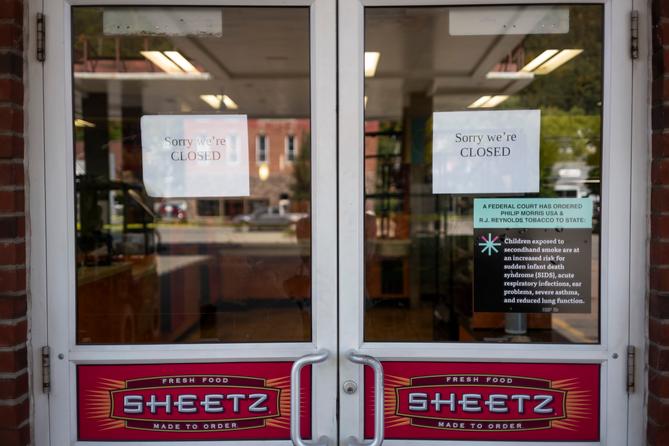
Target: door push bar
312, 358
359, 358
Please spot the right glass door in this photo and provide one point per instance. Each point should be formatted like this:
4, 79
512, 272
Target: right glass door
484, 175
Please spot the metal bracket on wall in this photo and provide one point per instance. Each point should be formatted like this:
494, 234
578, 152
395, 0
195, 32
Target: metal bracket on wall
40, 37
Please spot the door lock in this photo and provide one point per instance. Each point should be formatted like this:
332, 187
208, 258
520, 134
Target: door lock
350, 387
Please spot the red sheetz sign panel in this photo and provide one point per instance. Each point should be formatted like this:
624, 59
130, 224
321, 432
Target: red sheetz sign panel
224, 401
488, 401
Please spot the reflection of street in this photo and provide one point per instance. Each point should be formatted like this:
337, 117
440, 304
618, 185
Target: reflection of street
170, 234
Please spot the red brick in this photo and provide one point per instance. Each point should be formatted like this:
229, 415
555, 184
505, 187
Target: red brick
11, 335
11, 36
658, 412
664, 33
658, 305
665, 58
15, 437
11, 9
658, 90
659, 253
11, 389
11, 174
11, 120
11, 90
658, 384
13, 361
12, 254
12, 201
12, 280
660, 145
659, 279
13, 307
658, 330
657, 435
13, 416
659, 199
659, 226
660, 171
12, 227
11, 63
11, 146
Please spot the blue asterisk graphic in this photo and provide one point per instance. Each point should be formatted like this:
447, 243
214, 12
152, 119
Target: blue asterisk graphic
489, 244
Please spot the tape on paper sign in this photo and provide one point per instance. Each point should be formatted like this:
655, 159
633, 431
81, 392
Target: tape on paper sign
485, 152
195, 155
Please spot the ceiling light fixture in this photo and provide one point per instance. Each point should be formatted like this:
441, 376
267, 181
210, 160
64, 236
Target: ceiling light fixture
495, 101
83, 123
162, 61
371, 62
181, 61
479, 102
214, 100
229, 103
560, 59
510, 75
541, 58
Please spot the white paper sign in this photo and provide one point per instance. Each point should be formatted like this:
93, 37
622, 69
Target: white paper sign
485, 152
162, 21
195, 155
519, 20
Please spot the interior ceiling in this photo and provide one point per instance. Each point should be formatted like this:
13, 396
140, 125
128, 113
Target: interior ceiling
262, 61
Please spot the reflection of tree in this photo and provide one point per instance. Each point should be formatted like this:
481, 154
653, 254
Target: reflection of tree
301, 186
578, 83
568, 136
570, 98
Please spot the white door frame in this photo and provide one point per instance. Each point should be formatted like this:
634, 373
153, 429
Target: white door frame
618, 259
51, 191
57, 228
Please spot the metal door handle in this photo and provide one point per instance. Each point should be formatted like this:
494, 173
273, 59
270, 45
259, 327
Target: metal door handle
313, 358
359, 358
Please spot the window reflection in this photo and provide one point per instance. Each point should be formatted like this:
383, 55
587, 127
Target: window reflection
203, 269
419, 251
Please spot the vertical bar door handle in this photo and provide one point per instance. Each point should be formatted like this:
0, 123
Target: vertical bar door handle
359, 358
312, 358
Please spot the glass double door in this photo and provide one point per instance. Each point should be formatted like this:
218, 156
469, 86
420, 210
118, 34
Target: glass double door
336, 222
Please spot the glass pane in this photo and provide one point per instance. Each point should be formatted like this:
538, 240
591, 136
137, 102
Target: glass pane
184, 253
436, 268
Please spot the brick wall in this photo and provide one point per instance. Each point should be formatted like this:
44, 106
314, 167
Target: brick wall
14, 401
658, 371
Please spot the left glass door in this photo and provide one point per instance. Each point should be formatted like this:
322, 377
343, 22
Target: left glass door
186, 269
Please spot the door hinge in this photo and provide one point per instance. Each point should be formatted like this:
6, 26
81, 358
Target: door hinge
634, 35
46, 369
631, 368
40, 37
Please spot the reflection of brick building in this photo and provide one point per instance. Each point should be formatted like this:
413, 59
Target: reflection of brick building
274, 149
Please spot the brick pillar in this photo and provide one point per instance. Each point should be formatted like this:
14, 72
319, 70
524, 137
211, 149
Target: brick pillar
658, 354
14, 397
